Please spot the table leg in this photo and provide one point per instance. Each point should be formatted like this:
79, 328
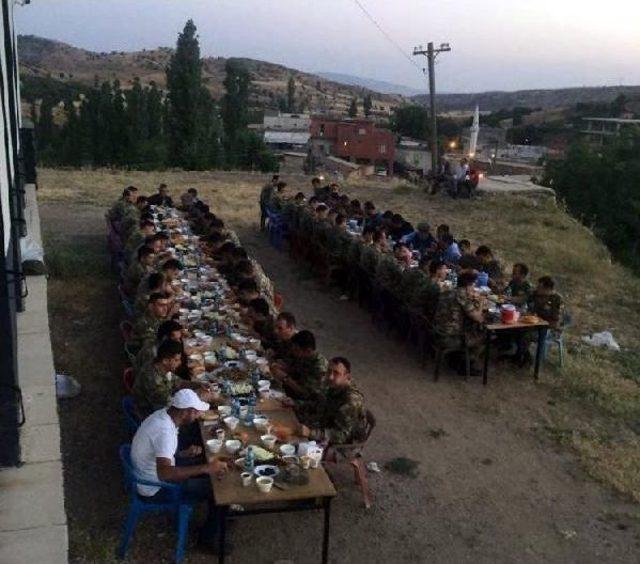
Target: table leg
487, 348
325, 539
222, 532
542, 337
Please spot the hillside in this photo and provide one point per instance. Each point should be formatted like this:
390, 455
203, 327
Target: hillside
544, 98
371, 83
47, 58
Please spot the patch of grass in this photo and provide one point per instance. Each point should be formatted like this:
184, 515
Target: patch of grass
67, 260
437, 433
403, 466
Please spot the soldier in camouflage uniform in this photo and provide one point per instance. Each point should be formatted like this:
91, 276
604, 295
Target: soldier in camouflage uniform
132, 216
303, 375
338, 416
157, 381
547, 304
145, 229
139, 269
519, 288
146, 326
459, 316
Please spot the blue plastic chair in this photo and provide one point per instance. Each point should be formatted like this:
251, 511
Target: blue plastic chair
276, 228
181, 508
555, 337
131, 420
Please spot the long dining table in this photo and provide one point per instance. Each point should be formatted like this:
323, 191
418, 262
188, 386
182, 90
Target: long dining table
218, 339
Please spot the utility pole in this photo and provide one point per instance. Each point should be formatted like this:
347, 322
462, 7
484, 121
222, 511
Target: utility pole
431, 54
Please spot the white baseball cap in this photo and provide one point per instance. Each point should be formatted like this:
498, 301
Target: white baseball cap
186, 398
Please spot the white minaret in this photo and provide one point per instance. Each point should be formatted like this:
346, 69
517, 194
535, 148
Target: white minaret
475, 129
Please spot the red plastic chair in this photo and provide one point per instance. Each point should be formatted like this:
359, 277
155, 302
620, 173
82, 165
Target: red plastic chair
128, 377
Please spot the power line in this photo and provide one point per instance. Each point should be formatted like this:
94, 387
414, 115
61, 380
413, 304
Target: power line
386, 35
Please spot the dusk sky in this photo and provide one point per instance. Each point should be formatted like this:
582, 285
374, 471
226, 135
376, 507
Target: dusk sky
497, 44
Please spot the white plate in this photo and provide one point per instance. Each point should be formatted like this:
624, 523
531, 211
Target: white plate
272, 470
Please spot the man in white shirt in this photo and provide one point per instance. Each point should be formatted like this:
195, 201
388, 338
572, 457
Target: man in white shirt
153, 451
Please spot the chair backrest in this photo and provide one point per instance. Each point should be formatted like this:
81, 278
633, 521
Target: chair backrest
130, 415
132, 479
128, 378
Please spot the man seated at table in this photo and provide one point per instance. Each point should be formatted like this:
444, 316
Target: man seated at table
399, 227
338, 416
170, 330
285, 329
156, 381
146, 228
146, 326
519, 288
139, 269
371, 216
153, 455
261, 322
547, 304
451, 252
151, 284
302, 377
421, 239
189, 199
492, 267
468, 261
458, 321
162, 198
402, 254
133, 215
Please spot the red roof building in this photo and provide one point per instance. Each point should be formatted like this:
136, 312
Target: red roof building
355, 140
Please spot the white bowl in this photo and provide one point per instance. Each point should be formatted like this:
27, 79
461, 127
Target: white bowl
264, 384
269, 440
224, 410
264, 484
232, 446
261, 423
231, 422
214, 445
288, 450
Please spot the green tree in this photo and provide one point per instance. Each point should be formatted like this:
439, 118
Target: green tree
367, 104
353, 108
411, 121
600, 187
291, 95
187, 135
235, 102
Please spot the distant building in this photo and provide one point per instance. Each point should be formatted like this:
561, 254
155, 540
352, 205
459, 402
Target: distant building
413, 155
357, 141
286, 122
525, 153
490, 139
597, 130
287, 140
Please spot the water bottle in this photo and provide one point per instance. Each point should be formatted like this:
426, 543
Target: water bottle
249, 460
235, 408
250, 415
255, 377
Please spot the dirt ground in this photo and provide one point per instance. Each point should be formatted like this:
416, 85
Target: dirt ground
490, 485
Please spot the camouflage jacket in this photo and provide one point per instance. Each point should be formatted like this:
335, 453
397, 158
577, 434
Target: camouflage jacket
135, 273
549, 307
369, 257
389, 273
308, 373
153, 388
519, 290
145, 329
339, 416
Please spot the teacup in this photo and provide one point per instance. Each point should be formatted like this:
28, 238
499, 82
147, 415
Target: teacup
264, 483
231, 422
260, 423
224, 410
214, 445
246, 477
232, 446
269, 440
288, 450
